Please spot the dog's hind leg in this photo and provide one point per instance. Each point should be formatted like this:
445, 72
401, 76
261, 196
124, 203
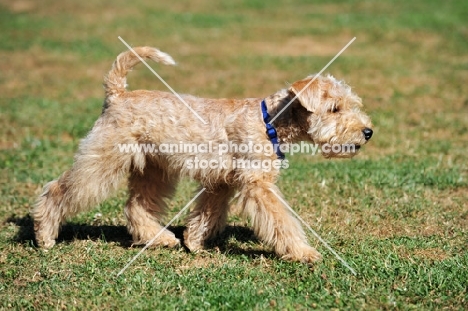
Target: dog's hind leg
209, 216
146, 206
97, 171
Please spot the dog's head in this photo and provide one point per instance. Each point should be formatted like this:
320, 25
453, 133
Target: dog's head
333, 118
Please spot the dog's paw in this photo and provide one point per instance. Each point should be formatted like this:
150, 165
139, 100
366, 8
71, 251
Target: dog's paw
311, 256
171, 242
305, 254
193, 246
167, 239
46, 244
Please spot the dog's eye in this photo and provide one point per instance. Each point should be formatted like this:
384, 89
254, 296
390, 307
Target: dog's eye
335, 109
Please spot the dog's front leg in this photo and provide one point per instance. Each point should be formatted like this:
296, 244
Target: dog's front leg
274, 225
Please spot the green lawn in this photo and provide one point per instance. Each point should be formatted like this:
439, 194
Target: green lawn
397, 213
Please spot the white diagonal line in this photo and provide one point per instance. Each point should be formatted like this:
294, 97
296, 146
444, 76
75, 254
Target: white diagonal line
315, 234
160, 232
310, 82
162, 80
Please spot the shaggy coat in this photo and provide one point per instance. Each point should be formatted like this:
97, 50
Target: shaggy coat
321, 110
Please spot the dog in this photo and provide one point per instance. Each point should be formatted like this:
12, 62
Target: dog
317, 109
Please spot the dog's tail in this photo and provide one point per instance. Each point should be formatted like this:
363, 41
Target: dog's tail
116, 81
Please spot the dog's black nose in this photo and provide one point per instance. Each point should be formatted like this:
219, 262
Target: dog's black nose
367, 133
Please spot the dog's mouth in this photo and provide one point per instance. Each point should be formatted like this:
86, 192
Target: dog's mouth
347, 150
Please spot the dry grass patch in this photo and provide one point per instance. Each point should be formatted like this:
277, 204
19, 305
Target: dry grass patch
38, 71
301, 46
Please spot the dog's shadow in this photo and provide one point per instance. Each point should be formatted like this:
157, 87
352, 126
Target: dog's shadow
119, 235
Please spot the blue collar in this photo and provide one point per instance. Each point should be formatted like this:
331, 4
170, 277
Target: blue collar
271, 131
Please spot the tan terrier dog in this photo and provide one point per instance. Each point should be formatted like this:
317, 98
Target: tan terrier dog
320, 110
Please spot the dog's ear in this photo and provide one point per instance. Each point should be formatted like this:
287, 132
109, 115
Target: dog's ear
308, 93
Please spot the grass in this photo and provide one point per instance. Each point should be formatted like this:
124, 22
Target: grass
398, 213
